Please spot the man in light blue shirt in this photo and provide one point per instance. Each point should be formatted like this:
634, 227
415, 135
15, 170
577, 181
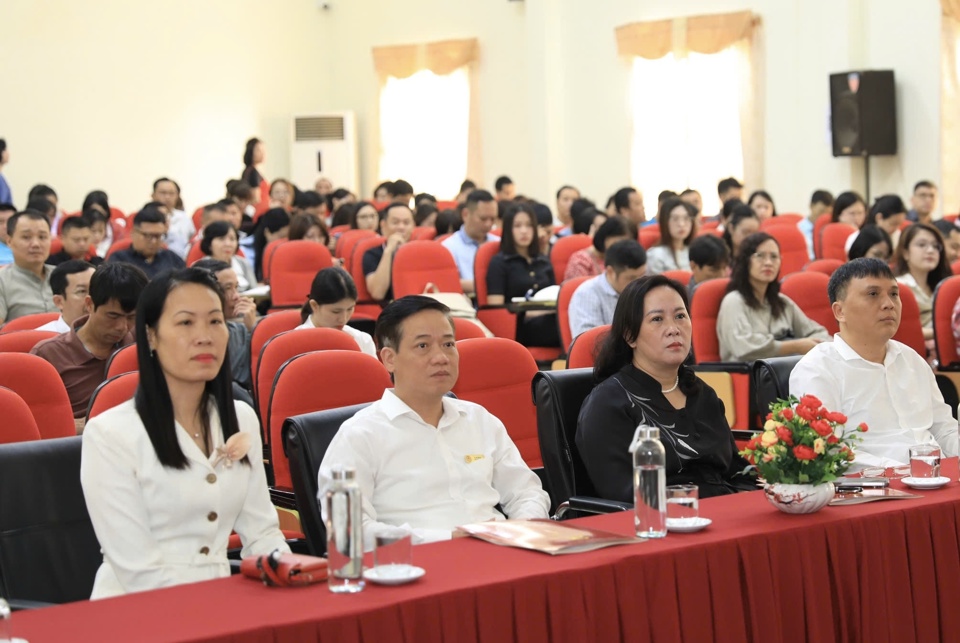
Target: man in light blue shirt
595, 300
6, 196
6, 254
820, 203
479, 215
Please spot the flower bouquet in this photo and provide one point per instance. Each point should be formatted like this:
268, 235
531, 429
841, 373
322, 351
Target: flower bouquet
803, 448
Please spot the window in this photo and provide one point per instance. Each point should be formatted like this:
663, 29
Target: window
686, 124
424, 128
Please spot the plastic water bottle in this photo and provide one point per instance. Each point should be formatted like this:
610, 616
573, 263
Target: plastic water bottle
649, 483
6, 632
344, 532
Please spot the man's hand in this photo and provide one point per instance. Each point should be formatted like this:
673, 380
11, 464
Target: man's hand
246, 309
394, 241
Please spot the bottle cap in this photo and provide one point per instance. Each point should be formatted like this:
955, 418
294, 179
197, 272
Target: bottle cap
340, 472
644, 432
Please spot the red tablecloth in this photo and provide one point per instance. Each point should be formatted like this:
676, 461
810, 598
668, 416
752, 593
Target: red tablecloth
882, 571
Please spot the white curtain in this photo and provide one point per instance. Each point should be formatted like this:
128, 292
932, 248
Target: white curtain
949, 113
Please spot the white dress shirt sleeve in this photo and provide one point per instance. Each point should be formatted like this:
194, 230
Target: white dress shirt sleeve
521, 494
944, 428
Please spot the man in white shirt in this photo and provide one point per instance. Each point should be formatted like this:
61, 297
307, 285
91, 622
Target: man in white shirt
871, 378
70, 283
425, 462
595, 301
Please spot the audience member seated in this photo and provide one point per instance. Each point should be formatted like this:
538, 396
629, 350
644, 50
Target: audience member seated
47, 207
642, 380
220, 242
333, 298
519, 270
282, 192
595, 300
180, 228
75, 236
449, 221
6, 196
506, 190
400, 191
755, 321
80, 356
241, 315
70, 284
951, 238
425, 462
396, 226
479, 215
693, 197
869, 377
589, 262
849, 208
168, 475
821, 202
364, 217
6, 254
425, 214
729, 189
762, 204
273, 225
544, 227
304, 227
872, 242
101, 230
565, 198
628, 203
923, 202
25, 284
709, 259
920, 264
678, 225
146, 250
380, 193
741, 223
888, 212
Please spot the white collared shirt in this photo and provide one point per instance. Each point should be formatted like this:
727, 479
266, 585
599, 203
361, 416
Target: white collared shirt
56, 326
899, 399
364, 341
430, 480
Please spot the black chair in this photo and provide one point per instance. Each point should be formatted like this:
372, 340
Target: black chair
49, 552
305, 441
558, 396
771, 381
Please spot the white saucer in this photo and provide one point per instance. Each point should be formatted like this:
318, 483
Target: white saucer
393, 574
687, 525
925, 483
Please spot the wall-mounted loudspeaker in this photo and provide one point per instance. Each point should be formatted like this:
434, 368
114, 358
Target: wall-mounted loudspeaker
864, 113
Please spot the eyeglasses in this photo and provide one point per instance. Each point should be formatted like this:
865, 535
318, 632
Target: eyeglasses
680, 218
923, 246
156, 237
765, 256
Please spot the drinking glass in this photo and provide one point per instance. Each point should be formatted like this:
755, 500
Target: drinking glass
683, 502
393, 556
925, 461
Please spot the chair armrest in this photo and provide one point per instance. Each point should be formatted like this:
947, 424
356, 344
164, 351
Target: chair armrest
17, 604
723, 367
588, 505
234, 566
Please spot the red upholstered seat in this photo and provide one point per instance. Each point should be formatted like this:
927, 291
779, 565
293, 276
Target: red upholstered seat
21, 341
115, 391
424, 233
38, 383
123, 361
833, 240
944, 299
649, 236
348, 241
366, 304
567, 288
418, 263
28, 322
561, 251
826, 266
466, 329
292, 270
18, 423
822, 221
793, 248
781, 219
585, 347
497, 374
270, 326
808, 290
122, 244
681, 276
910, 331
266, 263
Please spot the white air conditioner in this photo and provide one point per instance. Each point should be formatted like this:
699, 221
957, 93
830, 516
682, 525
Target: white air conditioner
325, 145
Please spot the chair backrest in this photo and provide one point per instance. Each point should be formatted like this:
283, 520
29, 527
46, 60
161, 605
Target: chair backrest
944, 299
124, 360
418, 263
505, 392
561, 251
781, 219
826, 266
586, 345
911, 330
793, 248
38, 383
266, 263
267, 327
18, 423
558, 396
292, 269
771, 381
279, 348
822, 221
833, 240
808, 290
567, 288
466, 329
481, 265
649, 236
314, 382
113, 392
703, 315
306, 439
348, 241
194, 254
28, 322
122, 244
424, 233
681, 276
48, 549
356, 267
21, 341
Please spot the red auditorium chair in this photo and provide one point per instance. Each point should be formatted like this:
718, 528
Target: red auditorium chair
267, 327
122, 244
583, 351
504, 392
418, 263
562, 250
781, 219
567, 288
38, 383
266, 262
466, 329
826, 266
366, 304
911, 330
113, 392
793, 248
348, 241
18, 423
833, 240
292, 269
808, 290
123, 361
424, 233
682, 276
21, 341
944, 299
649, 236
28, 322
822, 221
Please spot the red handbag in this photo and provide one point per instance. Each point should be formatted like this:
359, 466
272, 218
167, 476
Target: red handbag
285, 570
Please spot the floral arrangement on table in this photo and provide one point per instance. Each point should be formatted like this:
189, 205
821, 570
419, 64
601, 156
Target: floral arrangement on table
802, 443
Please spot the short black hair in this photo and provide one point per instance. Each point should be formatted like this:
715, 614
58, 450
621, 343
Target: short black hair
725, 185
386, 185
329, 286
625, 254
543, 214
709, 250
399, 187
424, 211
616, 226
43, 206
857, 269
468, 185
7, 207
388, 331
58, 278
120, 281
502, 182
567, 187
924, 184
41, 191
25, 214
385, 212
887, 206
946, 227
211, 264
74, 222
579, 205
822, 197
843, 201
666, 194
308, 199
688, 191
478, 196
423, 196
582, 221
213, 231
448, 221
869, 236
168, 180
621, 198
149, 214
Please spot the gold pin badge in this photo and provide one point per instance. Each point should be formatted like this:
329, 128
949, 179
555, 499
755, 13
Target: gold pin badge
469, 459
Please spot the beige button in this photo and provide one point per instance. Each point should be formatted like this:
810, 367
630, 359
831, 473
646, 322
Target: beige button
211, 478
212, 516
204, 550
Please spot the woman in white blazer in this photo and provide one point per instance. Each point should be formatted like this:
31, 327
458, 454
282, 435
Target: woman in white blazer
168, 475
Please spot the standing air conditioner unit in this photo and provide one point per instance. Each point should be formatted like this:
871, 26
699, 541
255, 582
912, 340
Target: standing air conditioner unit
325, 145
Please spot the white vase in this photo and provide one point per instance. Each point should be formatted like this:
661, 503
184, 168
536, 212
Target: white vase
799, 498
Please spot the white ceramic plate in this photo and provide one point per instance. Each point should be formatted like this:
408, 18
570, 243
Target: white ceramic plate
393, 574
687, 525
925, 483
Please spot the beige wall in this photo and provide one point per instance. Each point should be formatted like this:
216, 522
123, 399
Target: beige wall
112, 93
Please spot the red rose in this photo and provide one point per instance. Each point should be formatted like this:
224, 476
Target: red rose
769, 416
752, 444
862, 427
802, 452
810, 401
785, 436
821, 427
749, 458
787, 414
836, 416
806, 413
832, 439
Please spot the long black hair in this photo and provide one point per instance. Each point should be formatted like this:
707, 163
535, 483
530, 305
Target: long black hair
329, 286
615, 352
740, 276
273, 220
152, 398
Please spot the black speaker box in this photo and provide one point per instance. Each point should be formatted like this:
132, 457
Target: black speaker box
864, 113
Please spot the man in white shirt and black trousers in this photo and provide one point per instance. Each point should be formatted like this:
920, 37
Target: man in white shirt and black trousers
425, 462
870, 377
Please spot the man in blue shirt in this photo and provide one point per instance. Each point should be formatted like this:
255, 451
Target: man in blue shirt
6, 255
5, 195
479, 215
595, 300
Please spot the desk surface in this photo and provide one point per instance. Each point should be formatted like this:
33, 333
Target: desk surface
882, 571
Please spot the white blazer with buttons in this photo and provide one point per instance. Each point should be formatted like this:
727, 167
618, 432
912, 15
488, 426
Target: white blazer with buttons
160, 526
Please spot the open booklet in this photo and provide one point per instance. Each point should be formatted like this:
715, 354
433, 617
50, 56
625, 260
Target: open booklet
867, 494
547, 536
